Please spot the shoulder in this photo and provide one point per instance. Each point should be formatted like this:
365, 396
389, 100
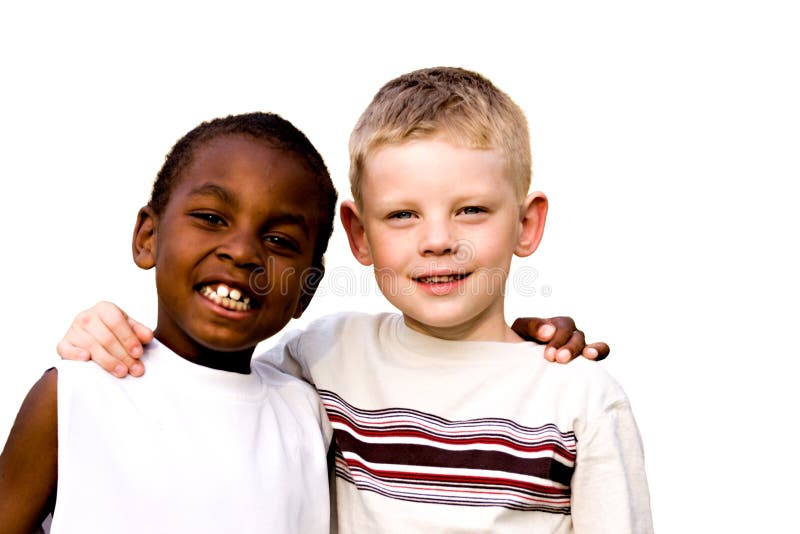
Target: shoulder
42, 397
331, 328
28, 463
585, 383
296, 395
285, 385
76, 375
595, 378
277, 379
79, 370
351, 321
34, 431
83, 377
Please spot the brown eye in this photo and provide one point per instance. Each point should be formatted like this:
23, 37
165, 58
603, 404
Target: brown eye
281, 242
211, 218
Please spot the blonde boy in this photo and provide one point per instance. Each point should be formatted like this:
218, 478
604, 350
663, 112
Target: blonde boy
444, 420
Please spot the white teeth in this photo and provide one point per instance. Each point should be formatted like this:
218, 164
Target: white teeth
227, 298
440, 279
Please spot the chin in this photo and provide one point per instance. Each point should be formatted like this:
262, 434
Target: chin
224, 341
440, 320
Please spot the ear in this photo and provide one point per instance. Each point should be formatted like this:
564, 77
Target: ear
532, 216
311, 279
356, 234
144, 238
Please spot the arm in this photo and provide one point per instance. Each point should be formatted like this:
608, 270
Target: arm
106, 335
609, 486
29, 462
287, 356
564, 341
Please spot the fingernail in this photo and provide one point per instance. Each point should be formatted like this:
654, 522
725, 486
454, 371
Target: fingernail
591, 353
550, 353
137, 369
564, 355
120, 371
135, 351
84, 354
547, 330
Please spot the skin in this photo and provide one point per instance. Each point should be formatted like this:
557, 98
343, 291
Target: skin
240, 216
241, 208
432, 208
105, 334
29, 462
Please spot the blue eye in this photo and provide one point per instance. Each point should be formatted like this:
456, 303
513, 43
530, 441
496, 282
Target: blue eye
401, 215
472, 210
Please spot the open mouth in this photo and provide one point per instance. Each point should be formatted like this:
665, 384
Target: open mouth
441, 278
228, 297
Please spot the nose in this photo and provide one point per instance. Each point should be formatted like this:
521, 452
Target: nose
241, 247
437, 238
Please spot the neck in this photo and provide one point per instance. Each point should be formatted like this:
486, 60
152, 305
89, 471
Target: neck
478, 330
233, 361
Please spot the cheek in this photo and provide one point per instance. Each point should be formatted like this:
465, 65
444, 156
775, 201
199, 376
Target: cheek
377, 244
388, 254
287, 280
495, 247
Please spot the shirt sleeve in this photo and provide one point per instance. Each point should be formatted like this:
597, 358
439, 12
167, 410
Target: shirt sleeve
609, 485
287, 356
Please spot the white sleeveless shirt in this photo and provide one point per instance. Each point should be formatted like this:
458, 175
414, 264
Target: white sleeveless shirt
186, 448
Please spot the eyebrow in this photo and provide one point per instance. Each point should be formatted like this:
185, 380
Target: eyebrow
223, 195
215, 191
290, 219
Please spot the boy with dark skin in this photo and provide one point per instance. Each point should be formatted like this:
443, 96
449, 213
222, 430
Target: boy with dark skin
236, 195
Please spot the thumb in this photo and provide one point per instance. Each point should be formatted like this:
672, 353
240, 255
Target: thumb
534, 329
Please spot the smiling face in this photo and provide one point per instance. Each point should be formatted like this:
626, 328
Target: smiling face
440, 222
231, 249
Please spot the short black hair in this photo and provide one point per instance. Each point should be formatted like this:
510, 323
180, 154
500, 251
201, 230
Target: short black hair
267, 127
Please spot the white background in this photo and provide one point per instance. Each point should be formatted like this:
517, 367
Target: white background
666, 136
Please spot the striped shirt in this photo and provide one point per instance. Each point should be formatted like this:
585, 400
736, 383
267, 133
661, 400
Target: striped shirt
437, 436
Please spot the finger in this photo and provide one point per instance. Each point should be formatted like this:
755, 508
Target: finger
99, 355
596, 351
534, 329
565, 327
520, 327
89, 323
143, 333
68, 351
118, 323
572, 348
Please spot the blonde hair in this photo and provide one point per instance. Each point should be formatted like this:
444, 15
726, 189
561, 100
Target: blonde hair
462, 105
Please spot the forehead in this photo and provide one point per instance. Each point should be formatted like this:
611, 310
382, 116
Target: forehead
231, 153
251, 172
433, 167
